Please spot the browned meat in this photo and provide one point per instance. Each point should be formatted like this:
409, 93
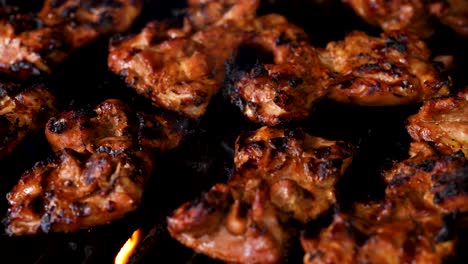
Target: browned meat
440, 179
442, 121
391, 70
22, 110
84, 133
286, 89
84, 20
410, 15
30, 44
181, 69
279, 175
178, 70
202, 13
413, 224
72, 192
378, 234
394, 69
97, 175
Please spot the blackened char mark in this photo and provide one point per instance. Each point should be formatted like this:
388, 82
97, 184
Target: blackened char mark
279, 143
446, 231
397, 42
57, 126
451, 184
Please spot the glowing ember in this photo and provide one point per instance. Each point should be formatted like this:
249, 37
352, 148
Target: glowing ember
127, 249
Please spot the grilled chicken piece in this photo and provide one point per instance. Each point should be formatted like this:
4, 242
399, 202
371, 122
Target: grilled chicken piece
202, 13
181, 69
380, 233
391, 70
97, 175
279, 175
440, 179
22, 110
410, 15
160, 131
286, 89
443, 121
75, 191
177, 69
413, 224
84, 20
30, 44
300, 169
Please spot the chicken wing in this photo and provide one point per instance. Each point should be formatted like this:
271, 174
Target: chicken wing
279, 175
391, 70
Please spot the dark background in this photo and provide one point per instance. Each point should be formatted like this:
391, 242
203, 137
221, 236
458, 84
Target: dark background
206, 155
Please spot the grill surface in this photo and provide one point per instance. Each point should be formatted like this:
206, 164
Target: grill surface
206, 155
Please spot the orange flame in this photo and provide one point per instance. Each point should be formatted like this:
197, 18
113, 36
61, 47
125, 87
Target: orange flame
128, 248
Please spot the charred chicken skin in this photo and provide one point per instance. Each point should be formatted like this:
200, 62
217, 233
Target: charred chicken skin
279, 175
394, 69
443, 121
97, 175
391, 70
30, 44
181, 69
415, 221
22, 110
413, 224
177, 70
286, 89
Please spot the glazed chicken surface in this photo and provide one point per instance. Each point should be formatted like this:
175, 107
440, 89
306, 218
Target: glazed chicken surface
279, 175
413, 224
23, 110
176, 70
444, 122
97, 174
287, 88
181, 69
393, 69
30, 44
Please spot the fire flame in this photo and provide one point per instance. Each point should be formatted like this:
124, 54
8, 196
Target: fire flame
128, 248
